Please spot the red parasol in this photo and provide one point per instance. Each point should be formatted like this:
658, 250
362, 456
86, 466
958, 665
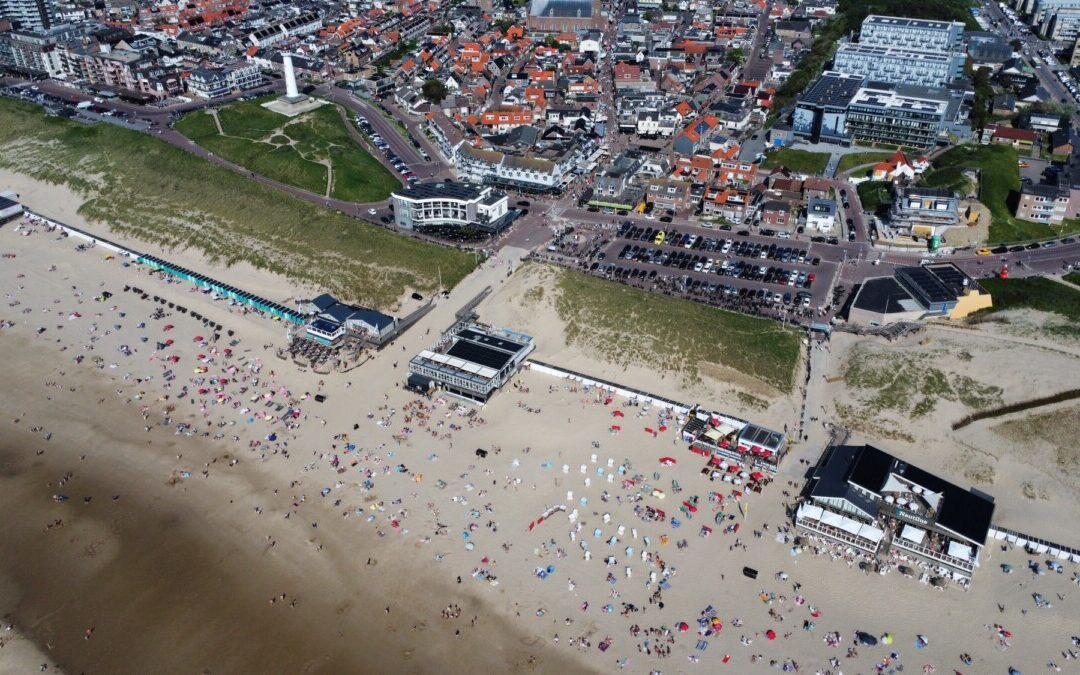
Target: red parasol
608, 400
683, 626
198, 338
649, 430
168, 326
771, 634
757, 475
169, 342
667, 461
663, 427
616, 427
617, 413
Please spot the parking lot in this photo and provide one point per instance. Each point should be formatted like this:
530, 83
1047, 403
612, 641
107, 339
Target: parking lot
380, 143
723, 268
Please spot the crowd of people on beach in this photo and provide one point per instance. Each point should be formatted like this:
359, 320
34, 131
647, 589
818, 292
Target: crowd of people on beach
600, 519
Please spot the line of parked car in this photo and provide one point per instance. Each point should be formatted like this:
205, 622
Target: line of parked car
693, 286
384, 147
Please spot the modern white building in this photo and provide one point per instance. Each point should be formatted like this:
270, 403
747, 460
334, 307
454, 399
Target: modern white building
904, 33
820, 214
458, 204
898, 65
472, 361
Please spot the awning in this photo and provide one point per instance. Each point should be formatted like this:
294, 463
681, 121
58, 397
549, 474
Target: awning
912, 533
810, 511
958, 550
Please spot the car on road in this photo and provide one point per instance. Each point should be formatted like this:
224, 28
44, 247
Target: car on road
523, 202
983, 251
999, 250
851, 236
1049, 244
1032, 246
665, 219
1016, 249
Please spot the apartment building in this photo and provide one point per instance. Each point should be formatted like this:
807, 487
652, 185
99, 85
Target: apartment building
897, 65
217, 82
1043, 203
917, 34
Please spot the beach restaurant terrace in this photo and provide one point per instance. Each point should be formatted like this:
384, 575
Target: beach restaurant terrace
921, 516
225, 290
735, 439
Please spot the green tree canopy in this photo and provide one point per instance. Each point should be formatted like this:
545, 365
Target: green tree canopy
434, 90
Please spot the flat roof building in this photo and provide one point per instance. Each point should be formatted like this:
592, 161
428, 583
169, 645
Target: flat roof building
894, 31
899, 65
472, 361
863, 497
457, 204
916, 293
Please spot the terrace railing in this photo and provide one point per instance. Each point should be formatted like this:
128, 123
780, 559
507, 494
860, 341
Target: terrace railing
927, 552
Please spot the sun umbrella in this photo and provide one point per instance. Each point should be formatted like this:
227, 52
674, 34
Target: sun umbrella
771, 634
887, 638
667, 461
618, 413
198, 338
649, 430
683, 627
169, 342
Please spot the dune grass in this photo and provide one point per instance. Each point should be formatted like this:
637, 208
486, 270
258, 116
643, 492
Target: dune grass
295, 151
999, 187
629, 325
150, 190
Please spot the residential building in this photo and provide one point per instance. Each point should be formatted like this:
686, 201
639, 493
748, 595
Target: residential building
733, 204
666, 193
907, 115
331, 321
896, 65
120, 69
35, 53
904, 33
867, 499
820, 214
777, 214
217, 82
1042, 203
1021, 139
924, 212
29, 15
304, 24
460, 204
614, 180
1061, 25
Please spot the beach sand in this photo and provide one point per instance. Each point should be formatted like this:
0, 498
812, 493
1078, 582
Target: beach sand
178, 572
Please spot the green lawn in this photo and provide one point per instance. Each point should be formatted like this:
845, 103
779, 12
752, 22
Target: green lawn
848, 162
632, 326
874, 195
1038, 293
150, 190
800, 161
1073, 278
294, 151
998, 189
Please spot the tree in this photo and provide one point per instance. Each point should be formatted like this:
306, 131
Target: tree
434, 90
1017, 45
736, 56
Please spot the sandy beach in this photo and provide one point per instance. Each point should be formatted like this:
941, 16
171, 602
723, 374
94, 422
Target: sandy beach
167, 520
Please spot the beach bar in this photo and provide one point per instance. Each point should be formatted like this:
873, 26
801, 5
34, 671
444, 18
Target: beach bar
262, 304
866, 498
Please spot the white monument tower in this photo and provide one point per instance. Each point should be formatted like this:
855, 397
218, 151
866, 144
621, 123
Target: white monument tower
293, 103
292, 95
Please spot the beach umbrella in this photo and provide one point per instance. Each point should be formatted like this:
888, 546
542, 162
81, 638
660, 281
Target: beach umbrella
663, 427
168, 326
616, 427
683, 626
667, 461
198, 338
169, 342
887, 639
618, 413
771, 634
649, 430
